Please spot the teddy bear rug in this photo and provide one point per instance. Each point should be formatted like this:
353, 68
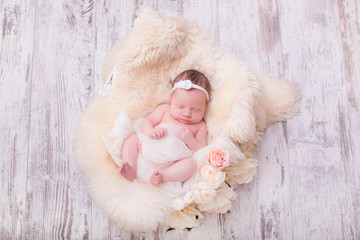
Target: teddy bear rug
243, 103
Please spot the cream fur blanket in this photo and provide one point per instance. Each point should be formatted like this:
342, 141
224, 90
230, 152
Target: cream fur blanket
242, 105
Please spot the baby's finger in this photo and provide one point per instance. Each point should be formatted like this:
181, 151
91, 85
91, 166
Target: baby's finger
161, 132
164, 132
158, 134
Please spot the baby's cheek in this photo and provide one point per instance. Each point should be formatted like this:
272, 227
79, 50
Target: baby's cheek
199, 116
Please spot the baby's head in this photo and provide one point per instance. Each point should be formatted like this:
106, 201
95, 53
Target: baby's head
189, 97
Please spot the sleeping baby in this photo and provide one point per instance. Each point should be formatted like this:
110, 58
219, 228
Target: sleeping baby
161, 149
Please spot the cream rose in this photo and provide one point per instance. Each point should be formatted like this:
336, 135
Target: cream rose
185, 218
203, 192
221, 202
242, 172
219, 158
208, 173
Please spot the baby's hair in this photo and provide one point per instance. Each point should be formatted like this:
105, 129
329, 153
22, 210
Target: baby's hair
195, 77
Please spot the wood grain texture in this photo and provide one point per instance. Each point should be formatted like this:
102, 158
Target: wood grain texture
15, 92
308, 180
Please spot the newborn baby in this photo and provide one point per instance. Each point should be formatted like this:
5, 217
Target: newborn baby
170, 134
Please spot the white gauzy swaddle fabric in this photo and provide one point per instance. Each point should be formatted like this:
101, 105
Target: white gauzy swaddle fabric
155, 153
115, 137
159, 153
162, 152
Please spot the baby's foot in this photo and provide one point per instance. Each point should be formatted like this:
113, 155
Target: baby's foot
156, 178
127, 171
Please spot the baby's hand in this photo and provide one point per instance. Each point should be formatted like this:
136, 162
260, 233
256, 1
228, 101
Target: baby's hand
185, 135
159, 133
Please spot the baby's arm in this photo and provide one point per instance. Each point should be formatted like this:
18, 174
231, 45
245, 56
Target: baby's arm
194, 142
152, 120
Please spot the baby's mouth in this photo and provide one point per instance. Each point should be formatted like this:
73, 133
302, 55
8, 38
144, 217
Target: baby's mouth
185, 120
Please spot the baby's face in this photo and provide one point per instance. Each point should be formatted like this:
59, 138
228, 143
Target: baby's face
188, 107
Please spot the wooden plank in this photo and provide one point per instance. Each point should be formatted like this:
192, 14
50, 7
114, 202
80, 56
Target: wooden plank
62, 80
318, 181
17, 18
349, 115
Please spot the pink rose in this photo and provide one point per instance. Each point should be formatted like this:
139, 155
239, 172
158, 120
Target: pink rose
219, 158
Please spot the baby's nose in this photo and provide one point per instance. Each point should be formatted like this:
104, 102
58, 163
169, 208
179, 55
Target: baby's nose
187, 112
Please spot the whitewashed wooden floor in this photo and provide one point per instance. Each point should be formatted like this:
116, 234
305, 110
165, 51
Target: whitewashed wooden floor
308, 180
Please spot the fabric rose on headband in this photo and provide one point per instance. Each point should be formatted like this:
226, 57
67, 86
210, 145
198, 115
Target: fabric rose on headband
219, 158
187, 84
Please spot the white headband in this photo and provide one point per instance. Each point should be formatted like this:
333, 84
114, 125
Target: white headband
187, 84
